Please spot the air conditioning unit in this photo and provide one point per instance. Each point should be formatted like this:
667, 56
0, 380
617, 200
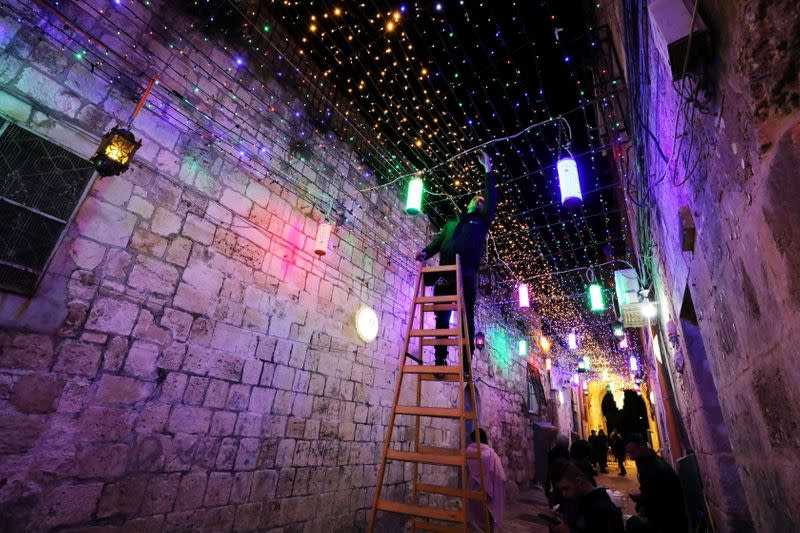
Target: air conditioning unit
671, 24
626, 283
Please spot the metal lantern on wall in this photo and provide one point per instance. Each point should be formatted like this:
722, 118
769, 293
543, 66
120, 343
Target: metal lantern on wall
480, 341
118, 146
115, 152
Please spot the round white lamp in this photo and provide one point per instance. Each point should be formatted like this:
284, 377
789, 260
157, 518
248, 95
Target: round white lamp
367, 323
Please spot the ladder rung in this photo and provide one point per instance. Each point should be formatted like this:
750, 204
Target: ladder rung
440, 412
446, 377
428, 369
429, 458
442, 342
443, 299
438, 450
432, 308
451, 332
421, 511
435, 528
448, 491
441, 268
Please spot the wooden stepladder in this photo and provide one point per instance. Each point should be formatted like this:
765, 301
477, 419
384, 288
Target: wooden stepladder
428, 518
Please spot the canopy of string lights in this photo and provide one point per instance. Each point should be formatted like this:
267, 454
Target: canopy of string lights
418, 87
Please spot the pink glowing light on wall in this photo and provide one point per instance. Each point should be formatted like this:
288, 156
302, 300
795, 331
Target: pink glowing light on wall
624, 342
524, 298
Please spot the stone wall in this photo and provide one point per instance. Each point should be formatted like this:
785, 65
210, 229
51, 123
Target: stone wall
739, 180
187, 361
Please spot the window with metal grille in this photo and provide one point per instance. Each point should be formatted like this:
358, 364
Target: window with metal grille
41, 185
536, 398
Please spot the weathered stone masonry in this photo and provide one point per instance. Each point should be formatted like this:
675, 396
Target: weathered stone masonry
187, 362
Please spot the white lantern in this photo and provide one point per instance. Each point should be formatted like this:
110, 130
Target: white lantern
323, 238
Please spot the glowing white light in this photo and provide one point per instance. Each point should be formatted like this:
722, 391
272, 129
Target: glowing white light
367, 324
649, 310
634, 364
572, 340
524, 299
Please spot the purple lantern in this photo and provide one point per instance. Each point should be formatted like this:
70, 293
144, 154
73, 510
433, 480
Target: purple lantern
569, 182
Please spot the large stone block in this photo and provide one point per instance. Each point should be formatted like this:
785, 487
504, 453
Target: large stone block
77, 357
189, 419
69, 503
123, 498
104, 222
119, 389
27, 352
141, 360
152, 275
19, 433
36, 393
48, 92
191, 491
112, 316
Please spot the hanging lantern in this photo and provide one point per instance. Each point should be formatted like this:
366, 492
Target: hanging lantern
323, 238
523, 347
118, 146
548, 364
596, 302
581, 365
619, 330
115, 152
586, 363
623, 344
414, 197
544, 344
634, 364
572, 340
480, 341
524, 300
569, 182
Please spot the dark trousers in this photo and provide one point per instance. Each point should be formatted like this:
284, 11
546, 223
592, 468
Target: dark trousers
469, 281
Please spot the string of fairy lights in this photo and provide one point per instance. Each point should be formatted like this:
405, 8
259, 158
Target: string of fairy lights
425, 84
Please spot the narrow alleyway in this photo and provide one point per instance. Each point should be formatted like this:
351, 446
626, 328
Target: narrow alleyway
622, 484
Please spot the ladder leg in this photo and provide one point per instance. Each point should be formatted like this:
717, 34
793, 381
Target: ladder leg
390, 427
466, 352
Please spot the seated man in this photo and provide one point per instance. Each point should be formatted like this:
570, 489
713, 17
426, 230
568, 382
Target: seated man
494, 478
660, 499
587, 509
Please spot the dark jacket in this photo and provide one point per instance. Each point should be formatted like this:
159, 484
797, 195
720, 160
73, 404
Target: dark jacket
594, 513
661, 494
467, 234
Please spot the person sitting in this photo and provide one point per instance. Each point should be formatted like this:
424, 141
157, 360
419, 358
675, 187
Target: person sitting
494, 478
588, 509
660, 499
581, 454
559, 451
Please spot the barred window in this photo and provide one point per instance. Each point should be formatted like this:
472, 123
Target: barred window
41, 185
536, 398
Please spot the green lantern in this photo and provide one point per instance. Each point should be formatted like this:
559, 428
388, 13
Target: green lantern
596, 298
414, 197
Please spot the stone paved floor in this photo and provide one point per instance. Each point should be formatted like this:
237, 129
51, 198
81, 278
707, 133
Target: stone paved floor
625, 484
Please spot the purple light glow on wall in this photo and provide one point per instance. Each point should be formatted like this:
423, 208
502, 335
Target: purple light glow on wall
569, 182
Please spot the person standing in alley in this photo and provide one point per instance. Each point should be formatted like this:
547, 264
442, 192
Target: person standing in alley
494, 478
660, 499
618, 449
464, 236
601, 446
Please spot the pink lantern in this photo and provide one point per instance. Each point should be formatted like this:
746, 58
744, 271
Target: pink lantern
524, 299
624, 342
323, 237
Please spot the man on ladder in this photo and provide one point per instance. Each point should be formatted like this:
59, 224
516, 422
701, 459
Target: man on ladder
466, 236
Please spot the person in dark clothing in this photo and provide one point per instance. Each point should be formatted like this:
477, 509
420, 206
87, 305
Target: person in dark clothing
618, 449
464, 236
581, 454
601, 446
588, 509
593, 445
660, 500
560, 451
